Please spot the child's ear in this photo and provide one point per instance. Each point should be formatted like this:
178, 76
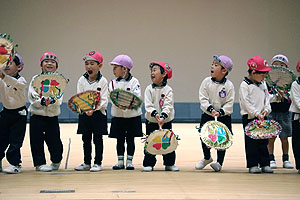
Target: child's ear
164, 74
224, 70
100, 65
19, 67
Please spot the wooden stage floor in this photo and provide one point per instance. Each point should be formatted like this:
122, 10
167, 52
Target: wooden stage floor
233, 182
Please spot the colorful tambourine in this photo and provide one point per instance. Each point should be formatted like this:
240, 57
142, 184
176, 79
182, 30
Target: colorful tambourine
263, 129
7, 50
50, 85
216, 135
84, 101
161, 142
123, 99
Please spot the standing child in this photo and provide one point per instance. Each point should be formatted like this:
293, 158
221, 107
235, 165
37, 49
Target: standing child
295, 109
216, 95
255, 104
44, 126
93, 124
125, 124
13, 117
159, 106
280, 112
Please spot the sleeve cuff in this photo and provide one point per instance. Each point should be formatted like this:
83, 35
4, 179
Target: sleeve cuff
210, 108
222, 113
164, 115
154, 113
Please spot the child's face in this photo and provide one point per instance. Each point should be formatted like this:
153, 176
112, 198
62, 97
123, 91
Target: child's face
12, 69
92, 68
257, 76
217, 71
156, 75
278, 63
119, 71
49, 65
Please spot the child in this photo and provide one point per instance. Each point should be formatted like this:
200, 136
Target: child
255, 104
93, 123
44, 126
159, 105
220, 105
295, 109
125, 124
280, 112
13, 117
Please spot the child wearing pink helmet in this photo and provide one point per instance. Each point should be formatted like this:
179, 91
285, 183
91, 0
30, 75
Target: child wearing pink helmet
44, 126
93, 124
280, 105
220, 105
125, 124
159, 106
295, 109
13, 117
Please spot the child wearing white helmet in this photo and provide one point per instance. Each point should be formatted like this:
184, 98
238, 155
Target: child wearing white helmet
44, 126
220, 106
13, 117
280, 105
125, 124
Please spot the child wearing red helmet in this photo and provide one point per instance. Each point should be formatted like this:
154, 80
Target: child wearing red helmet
44, 126
220, 105
255, 104
295, 109
13, 117
93, 124
159, 106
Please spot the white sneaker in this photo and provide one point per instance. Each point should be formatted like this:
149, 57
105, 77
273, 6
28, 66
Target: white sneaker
254, 170
203, 163
43, 168
55, 166
273, 164
288, 165
267, 169
83, 167
216, 166
172, 168
12, 169
96, 168
147, 169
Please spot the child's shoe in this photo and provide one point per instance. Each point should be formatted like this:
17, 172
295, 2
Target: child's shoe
273, 164
267, 169
120, 164
287, 164
147, 169
43, 168
83, 167
216, 166
203, 163
55, 166
12, 169
96, 168
129, 165
254, 170
0, 165
172, 168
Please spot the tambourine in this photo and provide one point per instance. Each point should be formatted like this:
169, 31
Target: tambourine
216, 135
84, 101
161, 142
124, 99
7, 51
50, 85
263, 129
280, 78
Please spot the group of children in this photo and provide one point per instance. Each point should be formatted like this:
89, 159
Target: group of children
216, 95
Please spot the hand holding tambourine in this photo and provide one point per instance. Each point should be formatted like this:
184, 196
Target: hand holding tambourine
84, 102
125, 100
7, 50
263, 129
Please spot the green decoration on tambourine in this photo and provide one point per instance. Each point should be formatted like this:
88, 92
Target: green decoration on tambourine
7, 50
263, 129
84, 101
216, 135
123, 99
50, 85
280, 78
161, 142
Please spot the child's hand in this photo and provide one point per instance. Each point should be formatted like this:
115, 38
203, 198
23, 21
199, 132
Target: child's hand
161, 122
157, 117
122, 108
89, 113
215, 113
2, 74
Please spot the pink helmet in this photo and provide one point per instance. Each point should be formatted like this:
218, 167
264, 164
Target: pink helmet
164, 65
93, 55
297, 67
122, 60
49, 55
258, 63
